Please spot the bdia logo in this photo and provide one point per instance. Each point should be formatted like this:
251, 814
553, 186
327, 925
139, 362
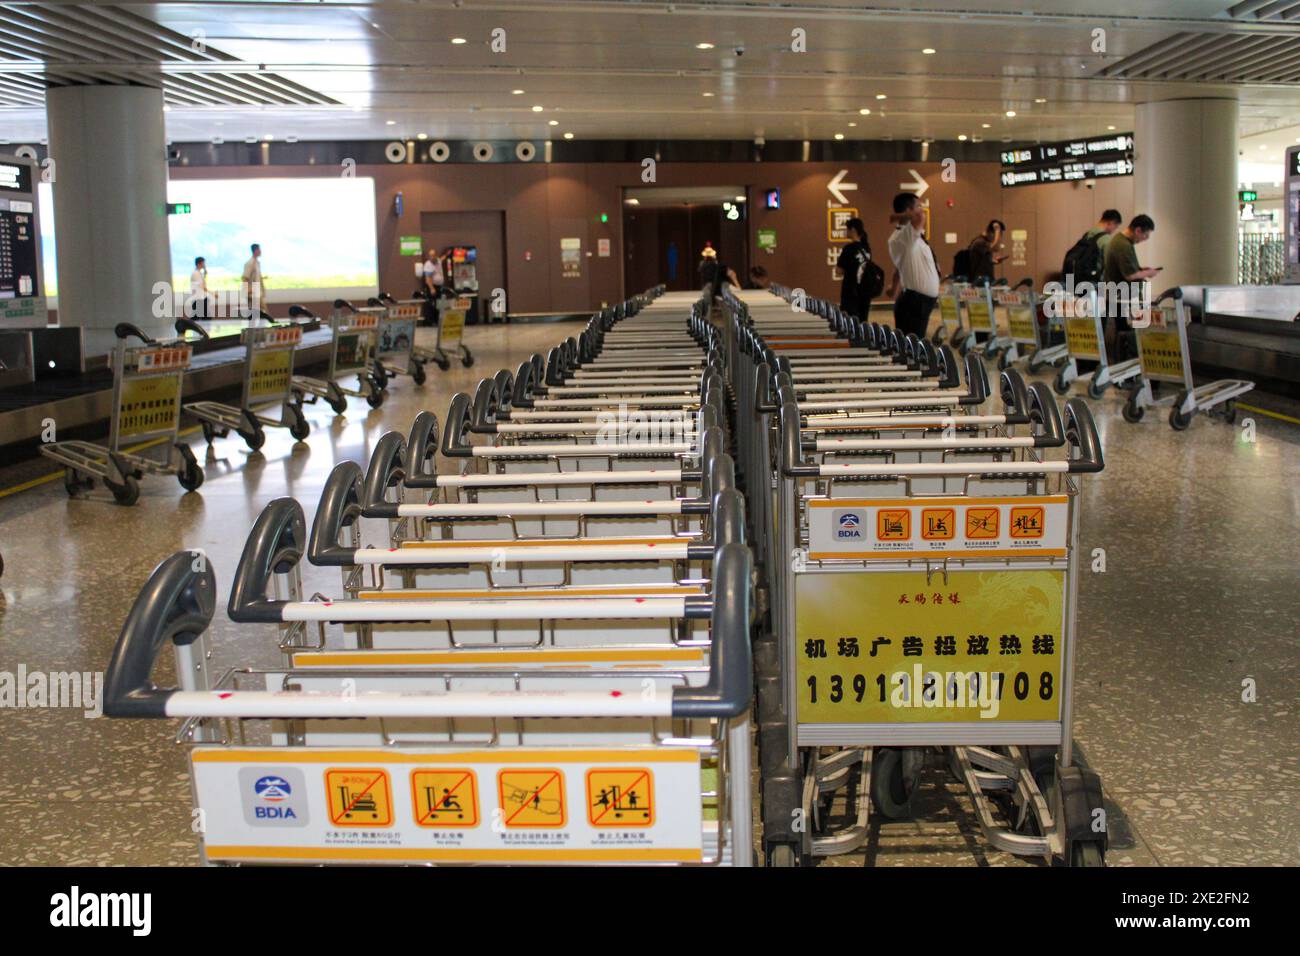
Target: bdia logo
272, 789
848, 525
273, 799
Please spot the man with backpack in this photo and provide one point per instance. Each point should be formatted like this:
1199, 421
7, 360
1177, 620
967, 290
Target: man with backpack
862, 280
1086, 259
983, 256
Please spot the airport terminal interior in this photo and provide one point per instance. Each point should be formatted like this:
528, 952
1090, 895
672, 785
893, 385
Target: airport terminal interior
605, 432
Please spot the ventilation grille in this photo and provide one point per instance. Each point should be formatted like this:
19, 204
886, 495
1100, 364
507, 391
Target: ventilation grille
82, 44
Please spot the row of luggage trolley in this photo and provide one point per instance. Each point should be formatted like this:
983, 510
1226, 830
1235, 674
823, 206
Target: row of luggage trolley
915, 535
372, 344
537, 649
1063, 328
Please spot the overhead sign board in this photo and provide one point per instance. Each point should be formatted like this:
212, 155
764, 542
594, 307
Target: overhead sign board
1097, 158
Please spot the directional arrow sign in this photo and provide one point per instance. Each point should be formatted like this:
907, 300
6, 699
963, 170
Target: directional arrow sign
918, 185
838, 185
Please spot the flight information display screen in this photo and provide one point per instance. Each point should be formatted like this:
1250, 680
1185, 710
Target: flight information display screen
17, 251
15, 178
1097, 158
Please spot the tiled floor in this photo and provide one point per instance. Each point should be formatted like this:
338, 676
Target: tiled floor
1199, 595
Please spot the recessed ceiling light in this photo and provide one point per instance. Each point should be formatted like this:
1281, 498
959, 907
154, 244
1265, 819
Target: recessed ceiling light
853, 124
1110, 127
881, 96
864, 111
458, 40
839, 135
704, 46
706, 93
390, 122
986, 125
167, 109
1041, 99
421, 135
1011, 114
634, 201
268, 137
568, 136
961, 138
740, 198
516, 92
1263, 147
554, 123
537, 109
928, 51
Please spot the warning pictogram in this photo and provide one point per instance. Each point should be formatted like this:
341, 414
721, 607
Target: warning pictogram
938, 524
1026, 522
445, 798
531, 798
359, 797
620, 797
893, 525
981, 523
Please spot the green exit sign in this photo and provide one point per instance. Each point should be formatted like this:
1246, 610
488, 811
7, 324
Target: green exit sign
178, 209
1247, 195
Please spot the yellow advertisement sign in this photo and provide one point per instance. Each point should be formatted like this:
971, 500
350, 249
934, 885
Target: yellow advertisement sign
982, 646
1081, 337
1161, 352
452, 328
1023, 323
148, 405
948, 311
981, 315
270, 374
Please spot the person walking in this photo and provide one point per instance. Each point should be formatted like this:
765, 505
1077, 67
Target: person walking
914, 285
852, 264
251, 284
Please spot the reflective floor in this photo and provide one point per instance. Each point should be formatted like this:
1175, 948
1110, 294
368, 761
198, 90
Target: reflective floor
1197, 604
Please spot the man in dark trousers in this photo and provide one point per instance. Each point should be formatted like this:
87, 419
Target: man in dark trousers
915, 282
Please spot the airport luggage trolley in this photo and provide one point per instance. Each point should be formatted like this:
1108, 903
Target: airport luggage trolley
982, 319
451, 334
353, 347
951, 327
147, 383
1028, 339
1165, 357
268, 380
930, 609
1085, 338
396, 349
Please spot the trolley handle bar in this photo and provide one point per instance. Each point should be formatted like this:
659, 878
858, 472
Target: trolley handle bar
176, 605
421, 470
1176, 293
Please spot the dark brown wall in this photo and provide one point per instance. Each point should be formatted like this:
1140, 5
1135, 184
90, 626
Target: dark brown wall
543, 203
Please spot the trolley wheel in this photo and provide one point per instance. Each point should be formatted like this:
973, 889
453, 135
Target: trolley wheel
73, 482
418, 375
375, 398
1087, 853
891, 792
299, 428
127, 493
467, 359
191, 475
1035, 364
1133, 412
782, 856
1179, 420
442, 362
1095, 391
339, 405
1059, 384
254, 439
1230, 411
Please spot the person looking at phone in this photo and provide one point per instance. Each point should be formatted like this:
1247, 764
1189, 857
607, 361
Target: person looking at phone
1122, 267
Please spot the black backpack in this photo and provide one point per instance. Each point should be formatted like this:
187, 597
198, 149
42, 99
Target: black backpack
1084, 260
871, 280
961, 264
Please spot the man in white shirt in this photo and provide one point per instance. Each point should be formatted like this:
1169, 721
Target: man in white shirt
433, 277
198, 306
914, 267
253, 288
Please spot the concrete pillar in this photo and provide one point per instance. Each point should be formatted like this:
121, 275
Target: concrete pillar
110, 208
1185, 178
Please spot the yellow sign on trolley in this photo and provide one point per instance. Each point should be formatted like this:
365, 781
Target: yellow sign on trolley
1161, 351
981, 316
1081, 337
982, 646
270, 374
1023, 324
948, 312
148, 404
452, 325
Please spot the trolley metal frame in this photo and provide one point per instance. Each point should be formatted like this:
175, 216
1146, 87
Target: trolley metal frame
353, 345
1085, 338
